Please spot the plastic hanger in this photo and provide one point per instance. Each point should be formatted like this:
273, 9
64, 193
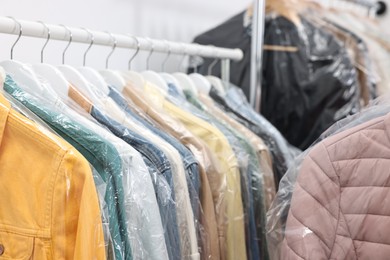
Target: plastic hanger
95, 79
168, 77
90, 74
20, 72
202, 84
56, 82
113, 78
185, 82
156, 79
75, 78
133, 78
17, 106
153, 76
215, 81
23, 75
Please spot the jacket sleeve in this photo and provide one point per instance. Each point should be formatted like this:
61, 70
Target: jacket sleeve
77, 231
313, 216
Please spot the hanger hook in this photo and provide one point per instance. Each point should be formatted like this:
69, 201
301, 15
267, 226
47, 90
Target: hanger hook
113, 48
184, 56
47, 39
19, 36
150, 53
90, 45
167, 57
212, 65
69, 42
136, 52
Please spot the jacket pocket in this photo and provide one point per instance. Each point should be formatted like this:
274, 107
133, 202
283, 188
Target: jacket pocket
16, 247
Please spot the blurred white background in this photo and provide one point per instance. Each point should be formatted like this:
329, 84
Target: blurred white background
177, 20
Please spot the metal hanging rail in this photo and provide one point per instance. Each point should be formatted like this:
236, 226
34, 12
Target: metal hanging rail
9, 25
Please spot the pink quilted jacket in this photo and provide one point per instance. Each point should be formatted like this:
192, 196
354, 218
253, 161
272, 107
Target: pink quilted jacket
340, 207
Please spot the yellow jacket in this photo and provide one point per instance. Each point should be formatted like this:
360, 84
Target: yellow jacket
49, 206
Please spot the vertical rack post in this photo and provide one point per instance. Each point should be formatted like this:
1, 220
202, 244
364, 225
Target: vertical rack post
258, 21
225, 70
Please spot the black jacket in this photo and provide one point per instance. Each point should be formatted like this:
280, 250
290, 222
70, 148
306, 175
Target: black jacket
303, 92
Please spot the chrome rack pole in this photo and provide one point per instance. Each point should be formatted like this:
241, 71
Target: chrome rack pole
225, 70
258, 21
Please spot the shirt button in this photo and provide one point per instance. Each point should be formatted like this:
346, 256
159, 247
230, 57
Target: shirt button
1, 249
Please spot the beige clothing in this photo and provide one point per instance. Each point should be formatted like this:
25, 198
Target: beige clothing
217, 142
261, 149
215, 175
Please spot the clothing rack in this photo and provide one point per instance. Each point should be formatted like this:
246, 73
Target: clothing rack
257, 52
10, 25
258, 42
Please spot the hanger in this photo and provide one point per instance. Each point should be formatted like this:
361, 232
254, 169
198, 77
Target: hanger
90, 74
21, 73
133, 78
168, 77
153, 76
185, 82
52, 78
80, 83
215, 81
202, 84
113, 78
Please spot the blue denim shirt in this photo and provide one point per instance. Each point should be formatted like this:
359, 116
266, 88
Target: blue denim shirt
154, 158
189, 161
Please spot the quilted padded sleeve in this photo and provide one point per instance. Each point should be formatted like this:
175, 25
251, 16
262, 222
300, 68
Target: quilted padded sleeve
313, 216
